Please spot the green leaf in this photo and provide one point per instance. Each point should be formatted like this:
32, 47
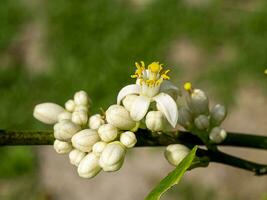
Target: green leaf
173, 177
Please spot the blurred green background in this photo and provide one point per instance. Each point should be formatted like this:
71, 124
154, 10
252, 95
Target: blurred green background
50, 49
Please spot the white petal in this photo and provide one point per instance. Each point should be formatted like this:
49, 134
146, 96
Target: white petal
168, 107
169, 88
139, 108
129, 89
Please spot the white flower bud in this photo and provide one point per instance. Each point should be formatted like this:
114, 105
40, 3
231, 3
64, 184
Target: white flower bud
185, 117
112, 157
62, 147
64, 116
175, 153
70, 105
128, 139
79, 117
119, 117
95, 121
108, 132
155, 121
76, 156
198, 102
99, 147
85, 139
217, 135
89, 167
81, 98
81, 107
202, 122
47, 112
218, 114
65, 129
128, 101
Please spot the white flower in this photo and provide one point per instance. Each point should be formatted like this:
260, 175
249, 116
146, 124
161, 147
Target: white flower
108, 132
185, 117
47, 112
76, 156
217, 135
150, 86
95, 121
85, 139
202, 122
218, 114
65, 129
128, 139
175, 153
64, 116
79, 117
128, 101
119, 117
70, 105
89, 167
62, 147
81, 98
99, 147
155, 121
112, 157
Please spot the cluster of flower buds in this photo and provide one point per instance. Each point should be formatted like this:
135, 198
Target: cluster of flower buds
93, 143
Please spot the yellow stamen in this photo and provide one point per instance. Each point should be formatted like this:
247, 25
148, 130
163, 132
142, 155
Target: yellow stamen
188, 86
265, 71
155, 67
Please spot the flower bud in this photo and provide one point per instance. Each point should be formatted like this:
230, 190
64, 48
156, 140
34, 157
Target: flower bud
76, 156
64, 116
112, 157
128, 101
79, 117
65, 129
47, 112
155, 121
217, 135
119, 117
108, 132
62, 147
198, 102
218, 114
128, 139
85, 139
175, 153
89, 167
202, 122
95, 121
185, 117
70, 105
81, 107
99, 147
81, 98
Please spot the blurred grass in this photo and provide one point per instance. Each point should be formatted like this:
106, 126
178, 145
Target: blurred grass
92, 45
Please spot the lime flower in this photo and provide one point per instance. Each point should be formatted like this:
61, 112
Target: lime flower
151, 85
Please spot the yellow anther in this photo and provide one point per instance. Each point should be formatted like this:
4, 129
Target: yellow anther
188, 86
265, 71
155, 67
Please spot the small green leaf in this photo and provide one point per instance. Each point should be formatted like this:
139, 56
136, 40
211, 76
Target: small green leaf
173, 177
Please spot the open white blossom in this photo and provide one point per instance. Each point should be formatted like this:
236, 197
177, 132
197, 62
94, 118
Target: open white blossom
151, 85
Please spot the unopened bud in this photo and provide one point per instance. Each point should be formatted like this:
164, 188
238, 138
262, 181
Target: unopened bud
64, 116
76, 156
70, 105
217, 135
119, 117
62, 147
95, 121
128, 139
185, 117
218, 114
99, 147
47, 112
65, 129
85, 139
89, 167
198, 102
112, 157
155, 121
81, 108
79, 117
128, 101
202, 122
108, 132
175, 153
81, 98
